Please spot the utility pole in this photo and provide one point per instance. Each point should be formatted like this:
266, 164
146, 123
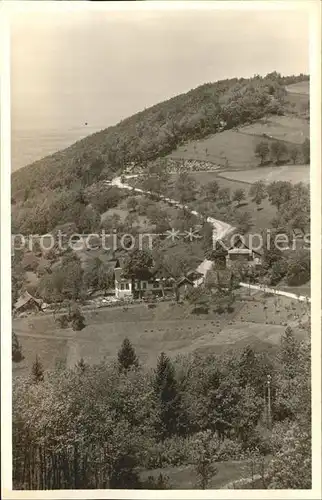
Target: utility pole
269, 416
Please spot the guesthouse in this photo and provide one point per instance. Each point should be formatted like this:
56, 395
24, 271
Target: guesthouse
240, 252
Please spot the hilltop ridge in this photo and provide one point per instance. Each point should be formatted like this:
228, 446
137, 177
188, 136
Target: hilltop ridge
58, 179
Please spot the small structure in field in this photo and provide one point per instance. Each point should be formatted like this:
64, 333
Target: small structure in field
27, 303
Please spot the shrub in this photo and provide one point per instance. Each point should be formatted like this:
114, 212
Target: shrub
63, 321
156, 483
170, 452
230, 450
260, 440
201, 310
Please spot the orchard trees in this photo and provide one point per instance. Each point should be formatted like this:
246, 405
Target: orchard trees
239, 196
185, 188
258, 192
278, 151
279, 192
262, 151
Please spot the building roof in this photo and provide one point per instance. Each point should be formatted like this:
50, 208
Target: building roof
193, 275
111, 264
25, 298
240, 251
184, 281
245, 243
119, 276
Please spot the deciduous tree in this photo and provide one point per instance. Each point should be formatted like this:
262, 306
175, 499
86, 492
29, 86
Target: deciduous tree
203, 451
278, 150
239, 195
258, 192
262, 151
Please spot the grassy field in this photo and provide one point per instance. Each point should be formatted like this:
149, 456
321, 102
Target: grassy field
298, 98
290, 173
171, 328
299, 88
228, 146
284, 128
235, 148
184, 477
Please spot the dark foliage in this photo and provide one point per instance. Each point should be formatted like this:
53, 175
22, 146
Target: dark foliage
126, 356
37, 371
16, 349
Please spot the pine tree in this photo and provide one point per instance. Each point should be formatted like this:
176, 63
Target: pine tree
127, 357
289, 354
37, 371
249, 369
170, 416
16, 350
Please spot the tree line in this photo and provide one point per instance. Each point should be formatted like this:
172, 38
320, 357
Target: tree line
280, 152
101, 426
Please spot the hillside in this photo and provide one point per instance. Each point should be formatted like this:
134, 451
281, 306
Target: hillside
154, 132
258, 321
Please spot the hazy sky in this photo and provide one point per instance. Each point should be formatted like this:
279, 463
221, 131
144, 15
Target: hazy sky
68, 68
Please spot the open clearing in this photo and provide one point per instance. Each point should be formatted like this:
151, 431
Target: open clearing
228, 148
168, 327
184, 477
284, 128
235, 148
290, 173
299, 88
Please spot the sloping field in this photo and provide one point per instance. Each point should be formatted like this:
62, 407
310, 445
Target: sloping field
284, 128
235, 148
228, 146
291, 173
168, 327
299, 88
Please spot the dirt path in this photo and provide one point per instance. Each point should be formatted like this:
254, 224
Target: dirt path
300, 298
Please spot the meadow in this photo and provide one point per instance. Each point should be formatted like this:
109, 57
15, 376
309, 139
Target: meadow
283, 128
184, 477
235, 148
299, 88
289, 173
173, 328
228, 148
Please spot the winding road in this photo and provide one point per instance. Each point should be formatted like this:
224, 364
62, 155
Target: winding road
220, 231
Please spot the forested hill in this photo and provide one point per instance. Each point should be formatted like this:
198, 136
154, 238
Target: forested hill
158, 130
154, 132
